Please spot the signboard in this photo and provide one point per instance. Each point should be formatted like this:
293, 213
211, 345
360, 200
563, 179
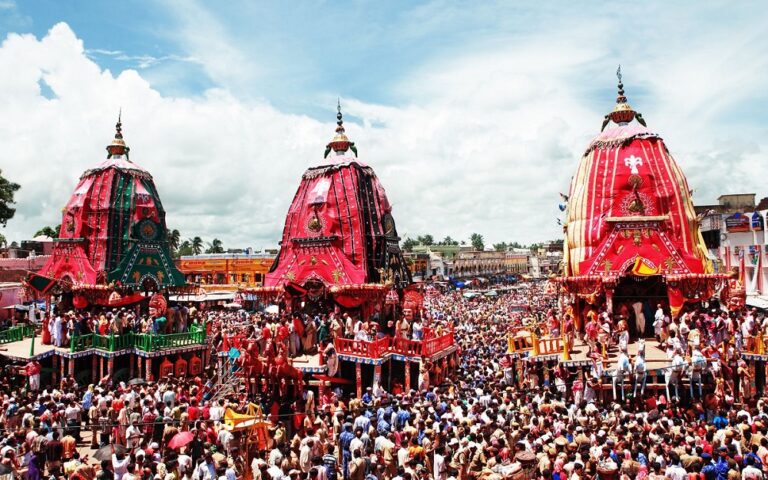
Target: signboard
757, 222
737, 222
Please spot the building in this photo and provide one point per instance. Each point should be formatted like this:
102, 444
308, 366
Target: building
518, 261
734, 232
227, 270
474, 263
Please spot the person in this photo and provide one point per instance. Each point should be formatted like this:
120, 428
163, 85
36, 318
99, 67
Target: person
33, 370
120, 464
639, 318
440, 467
56, 331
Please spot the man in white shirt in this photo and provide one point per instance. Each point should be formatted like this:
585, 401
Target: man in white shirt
305, 456
750, 472
441, 469
216, 412
120, 465
132, 436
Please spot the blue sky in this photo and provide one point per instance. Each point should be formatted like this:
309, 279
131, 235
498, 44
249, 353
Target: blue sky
474, 114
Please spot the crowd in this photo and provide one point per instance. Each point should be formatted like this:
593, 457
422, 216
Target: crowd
59, 329
485, 420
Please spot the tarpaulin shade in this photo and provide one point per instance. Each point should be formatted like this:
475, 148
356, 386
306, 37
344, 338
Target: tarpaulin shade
113, 231
339, 230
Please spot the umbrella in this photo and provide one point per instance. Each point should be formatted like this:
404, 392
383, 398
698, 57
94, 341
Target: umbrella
137, 381
105, 453
180, 439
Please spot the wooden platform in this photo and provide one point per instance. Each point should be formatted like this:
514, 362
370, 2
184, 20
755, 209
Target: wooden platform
19, 351
308, 363
655, 357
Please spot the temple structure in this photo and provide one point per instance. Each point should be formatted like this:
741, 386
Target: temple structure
631, 232
340, 244
340, 252
112, 250
113, 235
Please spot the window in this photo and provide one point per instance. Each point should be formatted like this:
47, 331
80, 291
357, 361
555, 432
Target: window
257, 277
244, 278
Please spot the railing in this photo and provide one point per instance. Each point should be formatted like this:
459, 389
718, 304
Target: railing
550, 345
17, 333
399, 345
140, 341
437, 344
153, 343
361, 348
758, 344
517, 343
78, 343
407, 347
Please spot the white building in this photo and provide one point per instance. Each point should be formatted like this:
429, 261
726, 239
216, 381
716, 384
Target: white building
734, 231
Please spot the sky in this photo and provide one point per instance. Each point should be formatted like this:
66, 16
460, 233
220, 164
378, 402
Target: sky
473, 114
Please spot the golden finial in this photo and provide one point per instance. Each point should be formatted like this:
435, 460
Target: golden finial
622, 113
118, 146
340, 142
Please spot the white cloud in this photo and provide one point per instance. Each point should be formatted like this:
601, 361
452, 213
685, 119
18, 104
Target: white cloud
482, 140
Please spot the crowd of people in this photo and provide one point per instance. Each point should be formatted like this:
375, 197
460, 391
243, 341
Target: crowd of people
492, 417
59, 329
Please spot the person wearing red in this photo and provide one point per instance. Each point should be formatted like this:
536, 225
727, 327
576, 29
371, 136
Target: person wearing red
282, 334
33, 369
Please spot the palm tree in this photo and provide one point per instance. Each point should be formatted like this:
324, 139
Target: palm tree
215, 246
185, 248
197, 246
48, 232
174, 237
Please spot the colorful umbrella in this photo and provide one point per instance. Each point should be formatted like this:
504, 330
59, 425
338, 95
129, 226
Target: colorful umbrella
180, 439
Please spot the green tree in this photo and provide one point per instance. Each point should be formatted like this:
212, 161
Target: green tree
477, 241
185, 249
449, 241
197, 245
215, 246
500, 247
7, 191
408, 244
174, 238
3, 241
426, 240
49, 232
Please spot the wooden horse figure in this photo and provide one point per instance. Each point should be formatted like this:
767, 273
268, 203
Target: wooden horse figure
639, 369
282, 371
622, 368
672, 374
698, 367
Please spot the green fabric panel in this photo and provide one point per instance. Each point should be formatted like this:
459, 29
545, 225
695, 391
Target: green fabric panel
145, 259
